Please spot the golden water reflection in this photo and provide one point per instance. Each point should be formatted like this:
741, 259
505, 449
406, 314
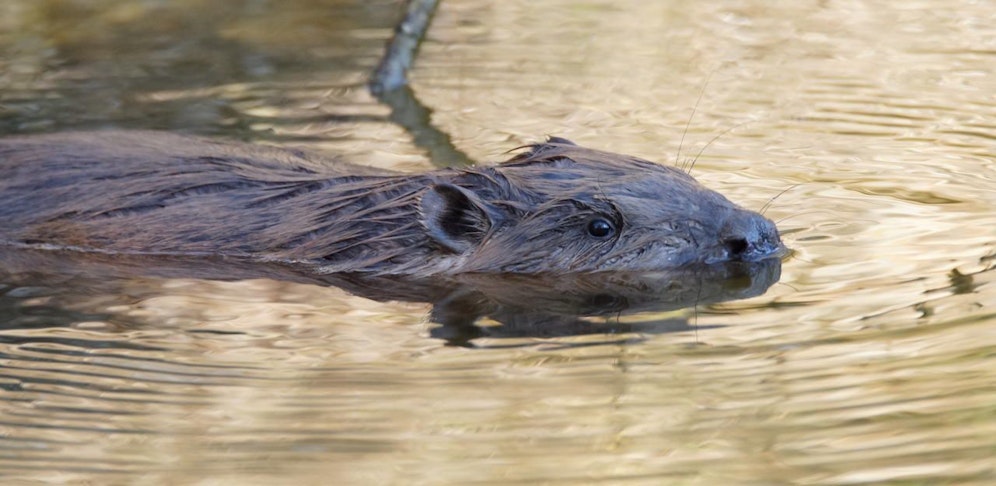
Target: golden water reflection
870, 361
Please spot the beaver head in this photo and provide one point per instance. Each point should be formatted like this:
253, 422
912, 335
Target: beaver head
563, 208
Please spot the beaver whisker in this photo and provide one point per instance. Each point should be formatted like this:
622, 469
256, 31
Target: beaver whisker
695, 107
710, 142
764, 208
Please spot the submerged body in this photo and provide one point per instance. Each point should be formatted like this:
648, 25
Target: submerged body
558, 208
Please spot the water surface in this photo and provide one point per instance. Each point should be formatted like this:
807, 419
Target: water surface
871, 361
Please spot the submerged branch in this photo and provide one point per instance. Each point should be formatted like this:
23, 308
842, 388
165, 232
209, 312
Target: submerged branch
408, 112
389, 84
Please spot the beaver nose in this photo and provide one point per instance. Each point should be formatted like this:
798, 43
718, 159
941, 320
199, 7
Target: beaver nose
749, 236
736, 246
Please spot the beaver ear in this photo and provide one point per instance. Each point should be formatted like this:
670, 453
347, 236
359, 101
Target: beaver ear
455, 217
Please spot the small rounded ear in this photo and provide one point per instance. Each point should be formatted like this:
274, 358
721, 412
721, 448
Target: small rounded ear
454, 217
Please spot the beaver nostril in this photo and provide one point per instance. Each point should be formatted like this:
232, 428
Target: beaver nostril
736, 246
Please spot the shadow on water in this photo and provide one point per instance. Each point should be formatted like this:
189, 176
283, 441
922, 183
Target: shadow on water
466, 307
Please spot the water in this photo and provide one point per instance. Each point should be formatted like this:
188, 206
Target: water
870, 362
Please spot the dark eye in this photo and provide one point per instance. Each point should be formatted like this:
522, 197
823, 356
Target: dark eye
600, 228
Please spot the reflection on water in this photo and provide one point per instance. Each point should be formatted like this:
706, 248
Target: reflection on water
516, 305
870, 361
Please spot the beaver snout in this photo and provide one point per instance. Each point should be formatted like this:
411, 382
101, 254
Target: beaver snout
748, 236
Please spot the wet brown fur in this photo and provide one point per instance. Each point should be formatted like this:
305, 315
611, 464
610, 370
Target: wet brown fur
149, 192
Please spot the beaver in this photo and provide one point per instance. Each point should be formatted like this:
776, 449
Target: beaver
555, 208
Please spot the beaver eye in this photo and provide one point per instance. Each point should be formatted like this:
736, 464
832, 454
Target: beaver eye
600, 228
